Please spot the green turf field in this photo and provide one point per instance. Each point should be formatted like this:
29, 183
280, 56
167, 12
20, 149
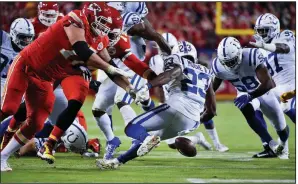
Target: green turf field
167, 165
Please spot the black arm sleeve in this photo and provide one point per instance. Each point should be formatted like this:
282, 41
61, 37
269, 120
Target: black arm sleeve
82, 50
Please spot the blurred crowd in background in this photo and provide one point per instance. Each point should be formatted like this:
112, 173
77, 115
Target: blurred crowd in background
191, 21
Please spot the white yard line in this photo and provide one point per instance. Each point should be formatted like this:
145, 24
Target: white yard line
200, 180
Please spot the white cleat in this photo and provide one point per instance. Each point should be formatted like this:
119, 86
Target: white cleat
202, 141
284, 153
5, 166
221, 148
104, 164
149, 143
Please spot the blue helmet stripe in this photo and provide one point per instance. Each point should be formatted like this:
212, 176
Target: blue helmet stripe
214, 67
167, 37
27, 22
224, 47
184, 46
140, 4
260, 19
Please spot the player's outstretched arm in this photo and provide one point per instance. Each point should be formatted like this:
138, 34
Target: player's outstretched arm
145, 30
267, 82
272, 47
210, 106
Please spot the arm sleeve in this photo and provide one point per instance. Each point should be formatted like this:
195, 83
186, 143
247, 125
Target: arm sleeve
132, 62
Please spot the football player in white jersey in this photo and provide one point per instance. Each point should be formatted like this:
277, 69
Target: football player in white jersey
137, 26
280, 48
156, 63
188, 90
245, 69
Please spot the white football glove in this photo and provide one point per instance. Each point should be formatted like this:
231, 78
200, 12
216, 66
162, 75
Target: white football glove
85, 72
116, 71
259, 41
141, 94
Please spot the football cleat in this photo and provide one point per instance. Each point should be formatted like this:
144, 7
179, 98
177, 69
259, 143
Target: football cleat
221, 148
46, 153
94, 145
149, 143
5, 167
202, 141
6, 138
107, 164
111, 147
267, 153
276, 148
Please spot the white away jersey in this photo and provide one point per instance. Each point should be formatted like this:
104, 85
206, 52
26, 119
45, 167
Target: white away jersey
133, 14
7, 53
282, 66
187, 92
245, 79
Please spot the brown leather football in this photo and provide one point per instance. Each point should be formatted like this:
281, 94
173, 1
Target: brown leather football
185, 147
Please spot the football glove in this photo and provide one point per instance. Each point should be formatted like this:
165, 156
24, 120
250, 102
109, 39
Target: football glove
286, 96
259, 41
141, 94
85, 72
116, 71
242, 101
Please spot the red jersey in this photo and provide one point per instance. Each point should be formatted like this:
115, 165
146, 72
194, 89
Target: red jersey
50, 55
122, 51
39, 27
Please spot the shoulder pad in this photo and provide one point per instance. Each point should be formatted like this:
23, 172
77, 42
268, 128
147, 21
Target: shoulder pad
173, 60
255, 57
286, 35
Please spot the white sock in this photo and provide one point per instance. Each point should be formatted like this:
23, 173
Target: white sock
104, 124
11, 147
213, 135
127, 113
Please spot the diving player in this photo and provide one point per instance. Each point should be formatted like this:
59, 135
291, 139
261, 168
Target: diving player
190, 95
245, 69
157, 64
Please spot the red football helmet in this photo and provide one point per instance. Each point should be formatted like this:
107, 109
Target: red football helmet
99, 17
48, 12
116, 28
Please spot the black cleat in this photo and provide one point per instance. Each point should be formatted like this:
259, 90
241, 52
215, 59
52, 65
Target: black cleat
267, 153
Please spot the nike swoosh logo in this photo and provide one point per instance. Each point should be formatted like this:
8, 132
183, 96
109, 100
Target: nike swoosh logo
261, 155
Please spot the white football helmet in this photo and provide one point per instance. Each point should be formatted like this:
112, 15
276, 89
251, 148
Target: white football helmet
22, 32
229, 53
267, 26
120, 6
75, 138
187, 50
171, 39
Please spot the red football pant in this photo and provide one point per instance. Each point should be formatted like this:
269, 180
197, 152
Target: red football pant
39, 98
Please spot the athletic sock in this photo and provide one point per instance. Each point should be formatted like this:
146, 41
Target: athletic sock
213, 135
55, 135
127, 113
11, 147
46, 130
104, 123
284, 134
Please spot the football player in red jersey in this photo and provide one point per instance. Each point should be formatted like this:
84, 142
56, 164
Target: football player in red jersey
48, 14
36, 67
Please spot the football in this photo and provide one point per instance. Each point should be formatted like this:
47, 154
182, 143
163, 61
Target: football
185, 147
